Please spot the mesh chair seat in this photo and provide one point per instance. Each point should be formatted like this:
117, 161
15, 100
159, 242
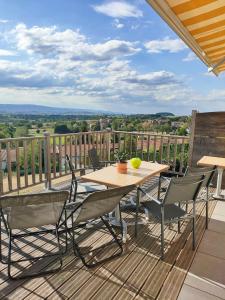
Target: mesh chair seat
28, 211
82, 187
171, 211
89, 187
96, 206
180, 190
23, 217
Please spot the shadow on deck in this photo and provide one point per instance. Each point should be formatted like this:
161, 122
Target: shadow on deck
138, 273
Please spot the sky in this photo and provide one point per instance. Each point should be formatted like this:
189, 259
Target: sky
114, 55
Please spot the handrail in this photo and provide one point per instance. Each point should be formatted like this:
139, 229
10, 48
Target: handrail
152, 133
27, 161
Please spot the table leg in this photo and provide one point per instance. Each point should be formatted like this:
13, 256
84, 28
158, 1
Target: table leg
218, 194
116, 221
137, 210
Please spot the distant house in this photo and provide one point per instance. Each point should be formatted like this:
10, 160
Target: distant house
177, 124
163, 121
104, 123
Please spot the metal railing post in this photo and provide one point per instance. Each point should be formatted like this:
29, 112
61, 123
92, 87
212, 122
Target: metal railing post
109, 145
47, 160
1, 171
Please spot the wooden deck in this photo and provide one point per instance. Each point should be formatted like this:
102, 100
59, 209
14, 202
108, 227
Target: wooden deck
137, 274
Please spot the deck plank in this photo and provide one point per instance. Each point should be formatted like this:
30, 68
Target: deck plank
138, 273
174, 280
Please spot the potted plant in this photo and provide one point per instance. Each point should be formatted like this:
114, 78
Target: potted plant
121, 158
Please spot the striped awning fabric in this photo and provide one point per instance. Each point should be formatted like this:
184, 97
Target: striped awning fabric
200, 24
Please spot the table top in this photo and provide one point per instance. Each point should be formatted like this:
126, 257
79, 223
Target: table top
109, 176
212, 161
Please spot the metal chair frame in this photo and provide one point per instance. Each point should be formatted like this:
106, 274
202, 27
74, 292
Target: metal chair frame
177, 220
206, 185
75, 182
103, 218
16, 236
98, 164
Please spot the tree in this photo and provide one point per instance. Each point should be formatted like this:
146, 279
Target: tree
21, 131
97, 126
62, 128
84, 126
182, 130
2, 135
75, 127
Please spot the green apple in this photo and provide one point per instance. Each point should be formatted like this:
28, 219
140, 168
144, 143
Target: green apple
135, 162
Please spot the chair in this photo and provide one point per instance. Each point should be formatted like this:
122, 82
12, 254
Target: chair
81, 188
95, 161
208, 172
167, 175
168, 210
20, 213
96, 205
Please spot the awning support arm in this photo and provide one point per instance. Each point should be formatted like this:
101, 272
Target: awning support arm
211, 69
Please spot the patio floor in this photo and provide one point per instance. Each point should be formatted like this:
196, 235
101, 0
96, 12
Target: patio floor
206, 277
137, 274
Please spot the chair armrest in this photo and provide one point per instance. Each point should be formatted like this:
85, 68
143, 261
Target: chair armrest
150, 197
170, 174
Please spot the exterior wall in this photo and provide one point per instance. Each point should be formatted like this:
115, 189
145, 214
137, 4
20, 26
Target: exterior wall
207, 136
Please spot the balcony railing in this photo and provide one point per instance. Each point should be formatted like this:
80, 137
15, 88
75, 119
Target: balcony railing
32, 160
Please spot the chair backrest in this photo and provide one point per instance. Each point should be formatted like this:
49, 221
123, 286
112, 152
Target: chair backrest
208, 172
74, 182
72, 170
183, 189
94, 158
100, 203
33, 210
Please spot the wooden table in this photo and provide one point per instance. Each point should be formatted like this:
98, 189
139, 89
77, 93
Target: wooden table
219, 162
110, 177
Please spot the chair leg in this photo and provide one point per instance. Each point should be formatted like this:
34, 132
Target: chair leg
178, 223
1, 239
123, 227
9, 255
41, 273
65, 231
178, 227
162, 233
137, 211
2, 220
78, 252
113, 233
207, 209
159, 187
193, 227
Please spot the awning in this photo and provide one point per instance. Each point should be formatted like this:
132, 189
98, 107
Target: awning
200, 24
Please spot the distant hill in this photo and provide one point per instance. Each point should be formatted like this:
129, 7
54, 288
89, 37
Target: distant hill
45, 110
164, 114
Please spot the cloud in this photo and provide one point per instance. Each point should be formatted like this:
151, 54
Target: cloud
153, 79
2, 21
117, 24
56, 67
165, 45
118, 9
4, 52
190, 57
50, 42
